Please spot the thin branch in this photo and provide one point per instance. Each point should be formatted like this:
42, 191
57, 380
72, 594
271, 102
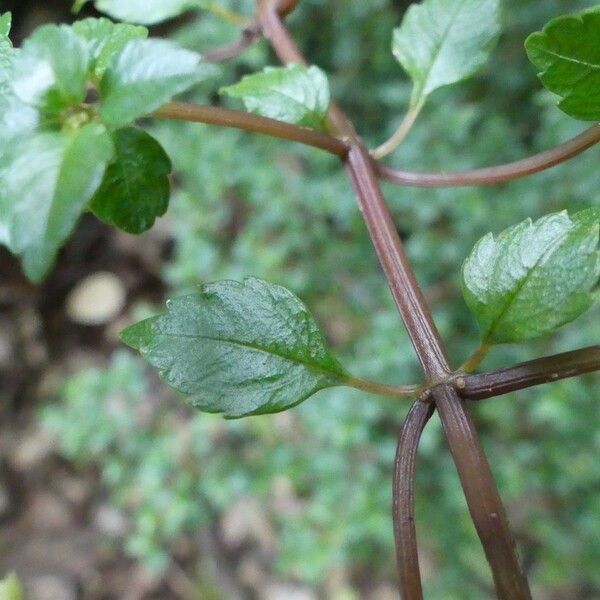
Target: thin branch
499, 174
400, 134
405, 534
226, 117
530, 373
475, 359
250, 34
380, 389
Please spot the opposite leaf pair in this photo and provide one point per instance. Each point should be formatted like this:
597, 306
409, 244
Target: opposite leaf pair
253, 347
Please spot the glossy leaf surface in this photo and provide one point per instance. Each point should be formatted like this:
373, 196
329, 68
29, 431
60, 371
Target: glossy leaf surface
238, 348
135, 189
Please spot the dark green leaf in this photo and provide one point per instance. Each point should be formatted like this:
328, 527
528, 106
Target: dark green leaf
238, 348
294, 94
135, 189
146, 75
567, 54
533, 277
441, 42
145, 12
48, 179
105, 39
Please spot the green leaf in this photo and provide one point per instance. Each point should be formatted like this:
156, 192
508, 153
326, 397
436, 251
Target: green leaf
145, 12
146, 75
5, 24
105, 39
294, 94
7, 55
238, 348
10, 588
51, 70
441, 42
135, 189
567, 54
533, 277
48, 179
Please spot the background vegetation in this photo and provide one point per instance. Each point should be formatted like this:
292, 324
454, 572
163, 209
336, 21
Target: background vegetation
304, 496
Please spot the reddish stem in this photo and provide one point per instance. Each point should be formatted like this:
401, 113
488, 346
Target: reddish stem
480, 490
528, 374
498, 174
405, 534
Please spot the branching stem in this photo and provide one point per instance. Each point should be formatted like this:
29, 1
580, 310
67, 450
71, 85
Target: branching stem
482, 496
490, 175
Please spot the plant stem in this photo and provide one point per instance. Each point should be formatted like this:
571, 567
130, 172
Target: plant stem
226, 117
483, 499
491, 175
401, 279
405, 534
501, 173
380, 389
400, 134
250, 34
478, 484
475, 359
530, 373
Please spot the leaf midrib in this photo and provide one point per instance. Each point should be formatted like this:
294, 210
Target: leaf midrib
256, 348
569, 58
439, 46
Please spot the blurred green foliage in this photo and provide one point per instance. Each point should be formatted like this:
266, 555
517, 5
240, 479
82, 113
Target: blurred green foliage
250, 206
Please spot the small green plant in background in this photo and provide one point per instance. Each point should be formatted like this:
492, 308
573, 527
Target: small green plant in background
10, 588
252, 347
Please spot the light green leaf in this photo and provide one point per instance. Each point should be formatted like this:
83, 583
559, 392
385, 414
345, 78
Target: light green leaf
146, 75
567, 54
145, 12
238, 348
441, 42
295, 94
7, 55
135, 189
5, 24
10, 588
533, 277
48, 179
51, 70
105, 39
